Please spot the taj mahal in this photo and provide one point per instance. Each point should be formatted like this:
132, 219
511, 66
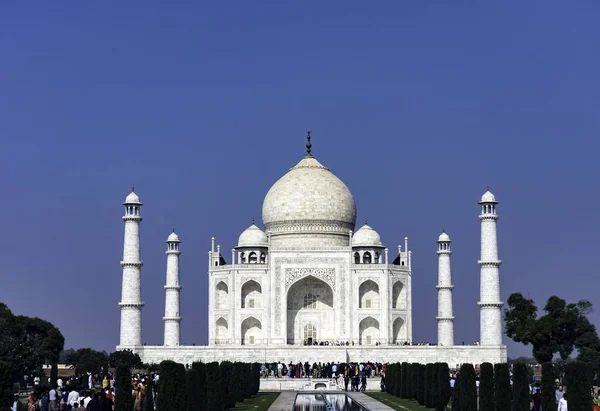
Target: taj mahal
309, 286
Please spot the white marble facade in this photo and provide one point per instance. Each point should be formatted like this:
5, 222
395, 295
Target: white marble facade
308, 277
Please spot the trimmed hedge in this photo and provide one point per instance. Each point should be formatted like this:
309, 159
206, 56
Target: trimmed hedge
435, 385
428, 386
404, 381
521, 396
443, 386
215, 398
398, 382
123, 402
192, 385
414, 369
421, 384
467, 396
548, 387
200, 368
486, 387
502, 389
579, 386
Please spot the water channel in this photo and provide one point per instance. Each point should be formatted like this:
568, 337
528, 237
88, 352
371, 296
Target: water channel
325, 402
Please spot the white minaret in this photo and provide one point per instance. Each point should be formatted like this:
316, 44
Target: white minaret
172, 288
131, 291
445, 318
489, 301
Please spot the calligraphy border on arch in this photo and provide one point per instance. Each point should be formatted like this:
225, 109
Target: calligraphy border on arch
292, 275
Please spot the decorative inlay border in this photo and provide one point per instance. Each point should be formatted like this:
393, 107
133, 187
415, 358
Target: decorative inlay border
244, 280
361, 280
294, 274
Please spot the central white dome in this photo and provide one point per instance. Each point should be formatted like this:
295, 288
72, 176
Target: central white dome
309, 198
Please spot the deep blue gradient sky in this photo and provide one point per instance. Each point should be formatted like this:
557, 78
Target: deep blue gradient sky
416, 106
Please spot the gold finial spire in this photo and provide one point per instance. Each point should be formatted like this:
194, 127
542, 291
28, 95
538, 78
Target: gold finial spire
366, 220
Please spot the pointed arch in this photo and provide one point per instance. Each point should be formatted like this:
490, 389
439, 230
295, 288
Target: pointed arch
368, 294
221, 296
221, 329
251, 331
398, 295
251, 295
368, 331
398, 331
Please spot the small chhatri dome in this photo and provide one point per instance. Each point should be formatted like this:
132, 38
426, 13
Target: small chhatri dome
444, 238
253, 237
366, 237
173, 237
488, 197
132, 198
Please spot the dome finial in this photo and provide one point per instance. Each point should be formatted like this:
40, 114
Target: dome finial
252, 220
366, 220
173, 230
488, 187
308, 144
132, 188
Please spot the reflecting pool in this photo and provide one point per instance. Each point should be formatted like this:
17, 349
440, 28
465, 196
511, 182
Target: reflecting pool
318, 402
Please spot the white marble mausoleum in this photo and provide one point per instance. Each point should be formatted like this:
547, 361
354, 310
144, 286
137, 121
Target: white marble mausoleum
309, 287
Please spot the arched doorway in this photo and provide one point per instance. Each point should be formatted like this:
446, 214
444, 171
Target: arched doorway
368, 293
369, 331
398, 296
398, 331
221, 331
310, 301
221, 296
251, 295
251, 331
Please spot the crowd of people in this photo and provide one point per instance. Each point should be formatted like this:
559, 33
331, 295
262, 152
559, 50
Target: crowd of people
318, 370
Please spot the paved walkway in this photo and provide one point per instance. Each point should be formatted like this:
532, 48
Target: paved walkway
285, 401
369, 403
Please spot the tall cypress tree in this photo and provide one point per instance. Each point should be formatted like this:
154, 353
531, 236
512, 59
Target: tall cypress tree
200, 368
421, 384
443, 386
398, 381
404, 386
502, 389
389, 378
53, 375
548, 387
521, 396
228, 384
181, 389
579, 386
435, 385
148, 404
486, 387
215, 398
428, 382
414, 370
467, 400
123, 402
256, 377
456, 396
193, 389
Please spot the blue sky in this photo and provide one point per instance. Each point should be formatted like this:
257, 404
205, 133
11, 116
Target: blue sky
416, 106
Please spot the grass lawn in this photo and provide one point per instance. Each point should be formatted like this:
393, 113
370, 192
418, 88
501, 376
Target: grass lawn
260, 402
396, 403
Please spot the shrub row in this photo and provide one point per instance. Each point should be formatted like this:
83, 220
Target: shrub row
428, 384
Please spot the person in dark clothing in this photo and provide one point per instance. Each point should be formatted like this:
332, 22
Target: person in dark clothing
346, 381
363, 383
105, 404
537, 400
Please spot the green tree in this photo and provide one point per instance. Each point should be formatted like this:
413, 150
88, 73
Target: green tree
435, 385
414, 369
200, 368
404, 381
421, 384
227, 381
428, 385
443, 386
398, 380
520, 394
467, 400
148, 404
548, 386
455, 400
389, 379
89, 360
214, 388
167, 391
256, 377
579, 386
193, 390
124, 357
562, 329
53, 374
486, 387
502, 389
124, 401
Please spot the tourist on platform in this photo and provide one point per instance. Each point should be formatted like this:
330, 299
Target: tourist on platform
44, 402
559, 393
562, 403
16, 405
596, 401
73, 397
31, 403
537, 400
53, 400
